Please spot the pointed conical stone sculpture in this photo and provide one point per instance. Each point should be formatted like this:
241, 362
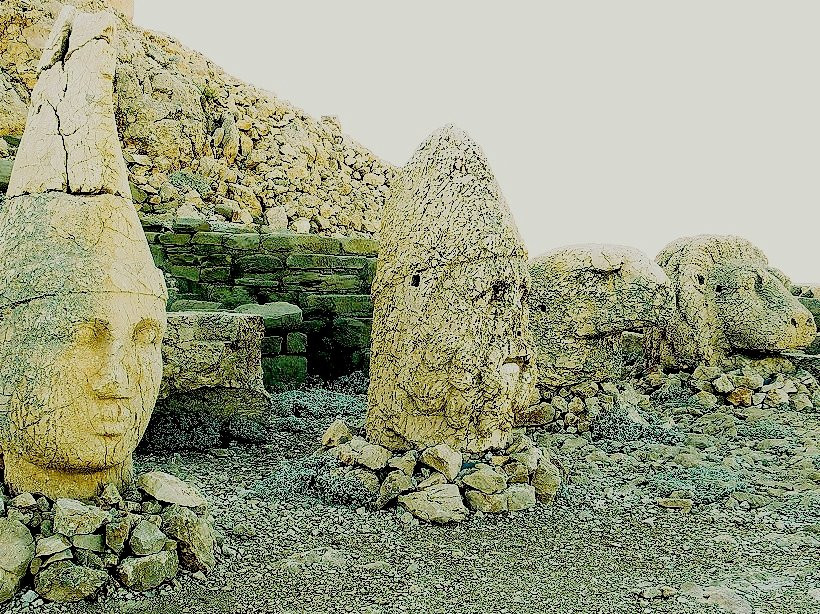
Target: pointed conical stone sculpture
451, 358
82, 306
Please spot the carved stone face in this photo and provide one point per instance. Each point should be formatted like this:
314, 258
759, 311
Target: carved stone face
756, 309
81, 374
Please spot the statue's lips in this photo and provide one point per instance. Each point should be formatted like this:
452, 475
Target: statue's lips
111, 429
112, 419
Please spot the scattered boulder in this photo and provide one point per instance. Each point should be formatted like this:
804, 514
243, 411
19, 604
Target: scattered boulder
441, 504
167, 488
65, 581
72, 517
194, 536
443, 459
143, 573
16, 552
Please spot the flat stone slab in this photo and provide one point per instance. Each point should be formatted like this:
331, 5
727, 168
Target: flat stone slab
275, 315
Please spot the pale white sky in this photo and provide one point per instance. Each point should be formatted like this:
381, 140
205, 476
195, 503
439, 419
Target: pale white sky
631, 122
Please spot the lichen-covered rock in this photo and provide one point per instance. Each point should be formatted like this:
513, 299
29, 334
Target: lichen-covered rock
82, 306
168, 488
583, 298
195, 136
727, 299
451, 356
65, 581
194, 536
16, 552
440, 503
142, 573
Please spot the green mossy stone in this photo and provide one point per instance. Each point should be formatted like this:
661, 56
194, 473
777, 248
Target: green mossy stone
230, 296
241, 241
191, 225
185, 304
191, 273
137, 195
207, 238
338, 304
283, 372
813, 305
215, 274
303, 243
271, 346
260, 263
352, 333
297, 343
173, 238
277, 316
360, 246
325, 261
309, 280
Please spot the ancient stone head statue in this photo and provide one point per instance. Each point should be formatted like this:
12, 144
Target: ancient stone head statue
451, 357
82, 306
584, 297
726, 300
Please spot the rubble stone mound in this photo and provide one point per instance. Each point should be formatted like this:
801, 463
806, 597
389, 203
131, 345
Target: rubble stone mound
583, 298
451, 356
200, 143
70, 550
727, 299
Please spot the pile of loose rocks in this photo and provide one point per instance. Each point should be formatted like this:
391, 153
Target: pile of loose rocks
68, 550
439, 484
200, 143
741, 383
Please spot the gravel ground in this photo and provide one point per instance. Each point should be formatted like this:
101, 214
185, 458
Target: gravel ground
750, 545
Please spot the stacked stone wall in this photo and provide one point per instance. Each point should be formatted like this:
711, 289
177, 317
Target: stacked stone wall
225, 267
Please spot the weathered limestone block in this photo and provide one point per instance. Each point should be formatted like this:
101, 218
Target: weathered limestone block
726, 300
451, 358
82, 306
583, 298
212, 372
126, 7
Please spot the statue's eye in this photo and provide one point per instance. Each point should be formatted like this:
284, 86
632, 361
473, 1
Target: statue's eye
758, 281
719, 289
90, 333
415, 280
499, 289
147, 332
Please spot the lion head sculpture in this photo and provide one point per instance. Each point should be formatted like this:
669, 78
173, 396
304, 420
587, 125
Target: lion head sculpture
727, 299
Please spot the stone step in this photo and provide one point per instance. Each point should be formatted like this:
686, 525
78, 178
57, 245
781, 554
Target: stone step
277, 316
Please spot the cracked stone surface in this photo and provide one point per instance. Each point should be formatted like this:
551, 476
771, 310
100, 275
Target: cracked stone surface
451, 357
583, 298
727, 299
82, 306
71, 142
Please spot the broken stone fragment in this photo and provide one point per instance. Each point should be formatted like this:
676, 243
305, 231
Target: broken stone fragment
546, 480
337, 433
486, 479
168, 488
16, 552
443, 459
72, 518
406, 462
451, 357
146, 539
64, 582
143, 573
397, 482
488, 503
194, 536
441, 503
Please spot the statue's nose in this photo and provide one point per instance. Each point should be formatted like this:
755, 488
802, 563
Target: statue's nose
111, 382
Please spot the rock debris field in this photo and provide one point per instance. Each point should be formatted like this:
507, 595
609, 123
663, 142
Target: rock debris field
749, 543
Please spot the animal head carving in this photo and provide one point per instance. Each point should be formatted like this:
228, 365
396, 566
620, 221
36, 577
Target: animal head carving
727, 299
